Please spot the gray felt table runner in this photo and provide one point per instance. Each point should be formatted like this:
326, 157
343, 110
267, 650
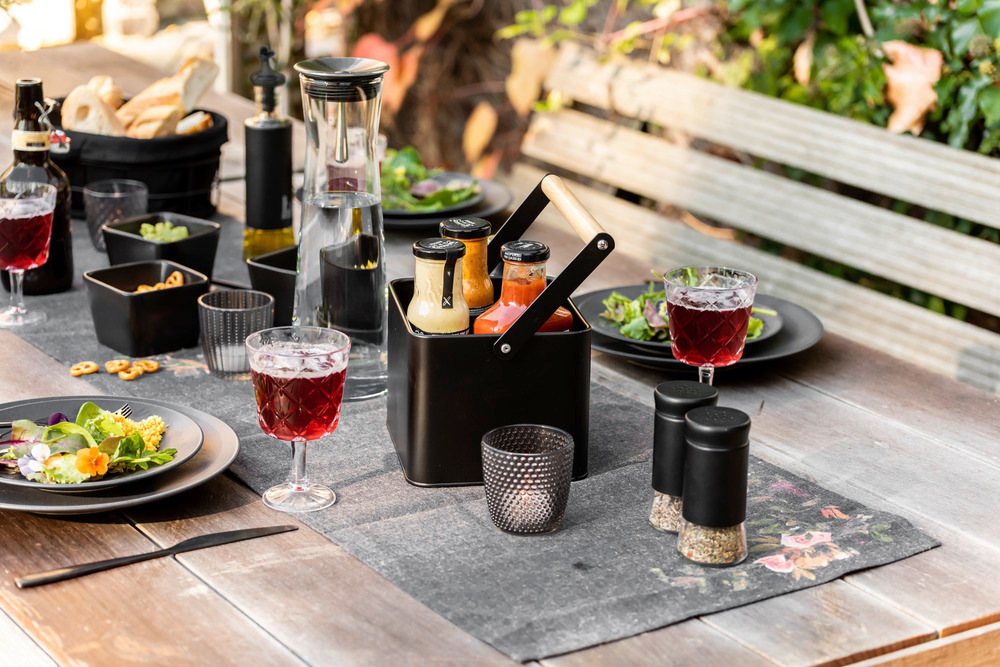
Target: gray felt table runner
604, 575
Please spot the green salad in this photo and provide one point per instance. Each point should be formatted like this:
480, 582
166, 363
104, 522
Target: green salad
407, 185
163, 231
645, 317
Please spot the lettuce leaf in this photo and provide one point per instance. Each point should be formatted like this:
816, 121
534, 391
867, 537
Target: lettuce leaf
98, 422
67, 437
63, 470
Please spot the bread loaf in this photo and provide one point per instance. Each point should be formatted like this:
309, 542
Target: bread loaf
106, 89
158, 121
183, 89
85, 111
195, 122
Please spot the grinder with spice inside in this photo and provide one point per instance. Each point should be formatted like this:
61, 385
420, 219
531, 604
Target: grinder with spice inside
461, 365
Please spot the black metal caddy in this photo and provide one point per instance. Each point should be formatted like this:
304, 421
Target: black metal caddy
446, 391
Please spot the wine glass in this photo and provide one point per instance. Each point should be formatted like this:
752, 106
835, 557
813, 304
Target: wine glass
298, 377
25, 233
708, 309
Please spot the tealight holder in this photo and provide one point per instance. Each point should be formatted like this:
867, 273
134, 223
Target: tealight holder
527, 470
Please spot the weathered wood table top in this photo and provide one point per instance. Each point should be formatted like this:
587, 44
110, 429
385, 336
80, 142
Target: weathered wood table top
855, 420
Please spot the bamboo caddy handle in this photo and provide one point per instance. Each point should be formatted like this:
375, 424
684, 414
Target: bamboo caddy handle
578, 217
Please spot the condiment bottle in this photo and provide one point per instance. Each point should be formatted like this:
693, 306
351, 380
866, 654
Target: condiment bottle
716, 461
673, 400
523, 281
268, 165
476, 284
438, 306
31, 141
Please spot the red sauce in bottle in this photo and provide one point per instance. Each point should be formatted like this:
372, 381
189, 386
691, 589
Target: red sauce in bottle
523, 281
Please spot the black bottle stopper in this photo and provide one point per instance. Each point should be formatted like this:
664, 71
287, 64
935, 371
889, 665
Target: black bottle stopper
673, 400
716, 461
267, 80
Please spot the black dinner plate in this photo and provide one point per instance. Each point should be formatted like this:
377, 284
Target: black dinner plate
800, 330
220, 448
496, 198
444, 178
182, 434
591, 305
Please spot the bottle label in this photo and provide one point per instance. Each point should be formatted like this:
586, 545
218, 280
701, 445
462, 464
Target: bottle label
447, 288
22, 140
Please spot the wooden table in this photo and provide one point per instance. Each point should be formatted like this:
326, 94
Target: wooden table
855, 420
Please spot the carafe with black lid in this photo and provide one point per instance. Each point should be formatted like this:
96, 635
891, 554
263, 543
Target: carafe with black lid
716, 463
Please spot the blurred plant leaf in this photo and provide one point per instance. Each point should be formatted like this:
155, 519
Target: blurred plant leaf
910, 83
428, 24
479, 130
530, 64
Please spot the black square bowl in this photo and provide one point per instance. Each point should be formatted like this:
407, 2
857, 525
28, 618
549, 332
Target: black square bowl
147, 323
197, 251
274, 272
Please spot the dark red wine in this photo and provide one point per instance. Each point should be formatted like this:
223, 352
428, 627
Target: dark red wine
24, 241
707, 337
298, 405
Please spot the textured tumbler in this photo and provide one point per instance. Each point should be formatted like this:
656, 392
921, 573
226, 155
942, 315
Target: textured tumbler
526, 472
110, 201
227, 318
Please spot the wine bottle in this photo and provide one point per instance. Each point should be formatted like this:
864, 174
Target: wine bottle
268, 141
31, 141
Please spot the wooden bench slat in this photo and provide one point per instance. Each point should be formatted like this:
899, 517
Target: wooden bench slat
904, 167
903, 330
940, 261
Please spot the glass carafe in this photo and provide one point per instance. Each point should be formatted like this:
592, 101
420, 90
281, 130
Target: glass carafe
341, 270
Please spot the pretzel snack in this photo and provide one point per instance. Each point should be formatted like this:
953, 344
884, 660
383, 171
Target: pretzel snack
116, 365
131, 373
146, 365
83, 368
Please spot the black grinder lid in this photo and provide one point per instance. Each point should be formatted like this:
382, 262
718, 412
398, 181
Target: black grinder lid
525, 252
673, 400
465, 228
438, 249
717, 459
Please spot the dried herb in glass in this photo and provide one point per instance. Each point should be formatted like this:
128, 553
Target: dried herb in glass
716, 460
673, 400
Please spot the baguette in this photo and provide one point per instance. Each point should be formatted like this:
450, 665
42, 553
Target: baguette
106, 89
84, 111
182, 89
195, 122
158, 121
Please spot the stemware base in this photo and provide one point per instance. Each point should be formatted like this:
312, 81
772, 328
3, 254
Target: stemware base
292, 497
13, 318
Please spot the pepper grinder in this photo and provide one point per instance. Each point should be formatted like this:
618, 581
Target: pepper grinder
673, 400
716, 462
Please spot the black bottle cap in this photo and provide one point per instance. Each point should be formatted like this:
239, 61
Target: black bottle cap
673, 400
341, 79
438, 249
716, 461
465, 228
28, 92
267, 79
525, 252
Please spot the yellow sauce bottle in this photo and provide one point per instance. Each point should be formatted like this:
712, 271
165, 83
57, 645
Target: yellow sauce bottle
476, 284
437, 306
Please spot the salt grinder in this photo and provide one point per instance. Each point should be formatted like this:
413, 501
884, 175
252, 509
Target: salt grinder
716, 462
673, 400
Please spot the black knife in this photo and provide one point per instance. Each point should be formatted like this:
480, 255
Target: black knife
200, 542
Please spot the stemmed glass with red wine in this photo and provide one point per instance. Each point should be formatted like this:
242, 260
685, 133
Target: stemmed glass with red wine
298, 377
708, 309
25, 233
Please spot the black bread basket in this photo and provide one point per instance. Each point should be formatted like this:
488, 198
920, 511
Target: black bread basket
181, 172
446, 391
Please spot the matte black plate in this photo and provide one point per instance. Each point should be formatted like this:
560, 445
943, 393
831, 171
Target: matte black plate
496, 199
800, 330
444, 178
591, 306
219, 450
182, 434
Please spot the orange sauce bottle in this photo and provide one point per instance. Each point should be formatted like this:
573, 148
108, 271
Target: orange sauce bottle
523, 281
476, 284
